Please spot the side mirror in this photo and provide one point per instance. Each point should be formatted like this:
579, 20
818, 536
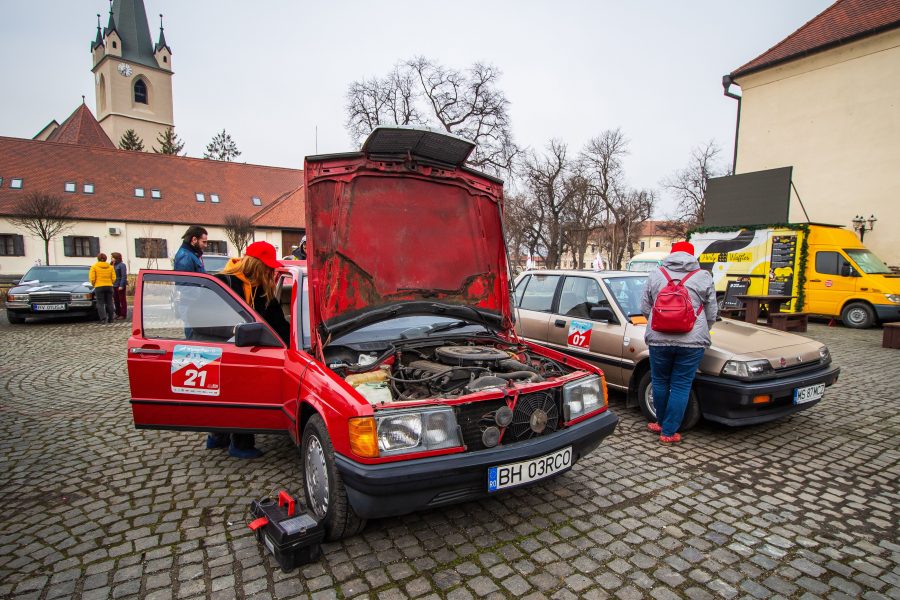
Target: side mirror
846, 270
254, 334
603, 313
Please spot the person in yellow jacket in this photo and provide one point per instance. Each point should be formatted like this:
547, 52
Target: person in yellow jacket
103, 277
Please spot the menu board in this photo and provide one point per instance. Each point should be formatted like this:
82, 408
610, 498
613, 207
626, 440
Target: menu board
781, 265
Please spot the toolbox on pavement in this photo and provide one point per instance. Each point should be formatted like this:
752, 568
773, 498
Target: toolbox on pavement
292, 538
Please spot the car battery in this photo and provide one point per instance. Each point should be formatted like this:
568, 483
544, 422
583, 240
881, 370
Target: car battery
292, 538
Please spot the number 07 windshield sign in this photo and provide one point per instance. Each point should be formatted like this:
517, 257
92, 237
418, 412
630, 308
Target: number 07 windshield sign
195, 370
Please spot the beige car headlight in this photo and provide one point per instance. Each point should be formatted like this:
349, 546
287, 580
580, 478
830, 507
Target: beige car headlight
747, 369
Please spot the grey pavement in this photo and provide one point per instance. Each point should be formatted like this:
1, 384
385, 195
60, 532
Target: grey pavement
806, 507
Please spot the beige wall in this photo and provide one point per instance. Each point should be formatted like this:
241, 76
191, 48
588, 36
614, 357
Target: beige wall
835, 117
124, 243
116, 110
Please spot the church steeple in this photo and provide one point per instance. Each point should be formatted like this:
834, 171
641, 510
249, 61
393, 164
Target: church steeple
98, 41
133, 76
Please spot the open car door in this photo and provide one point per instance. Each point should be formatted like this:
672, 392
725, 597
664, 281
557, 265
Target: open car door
185, 367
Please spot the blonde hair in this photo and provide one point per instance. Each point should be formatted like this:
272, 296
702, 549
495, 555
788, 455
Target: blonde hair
256, 272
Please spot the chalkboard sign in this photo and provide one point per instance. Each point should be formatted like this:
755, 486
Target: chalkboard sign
734, 289
781, 265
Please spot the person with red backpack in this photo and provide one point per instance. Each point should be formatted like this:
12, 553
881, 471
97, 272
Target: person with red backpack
679, 301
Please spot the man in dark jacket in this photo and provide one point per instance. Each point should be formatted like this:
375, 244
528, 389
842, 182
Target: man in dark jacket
675, 357
190, 255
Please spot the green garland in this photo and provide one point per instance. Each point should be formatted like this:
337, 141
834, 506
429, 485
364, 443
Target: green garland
804, 249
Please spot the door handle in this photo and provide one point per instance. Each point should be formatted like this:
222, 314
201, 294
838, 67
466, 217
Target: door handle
559, 323
157, 351
815, 281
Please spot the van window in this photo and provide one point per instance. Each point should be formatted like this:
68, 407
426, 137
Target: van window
832, 263
539, 293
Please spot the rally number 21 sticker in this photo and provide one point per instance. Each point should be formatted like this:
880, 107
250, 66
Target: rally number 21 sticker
580, 334
195, 370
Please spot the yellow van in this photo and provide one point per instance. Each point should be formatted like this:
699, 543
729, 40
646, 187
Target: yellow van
825, 267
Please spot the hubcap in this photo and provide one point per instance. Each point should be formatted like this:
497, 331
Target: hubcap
648, 400
316, 476
857, 315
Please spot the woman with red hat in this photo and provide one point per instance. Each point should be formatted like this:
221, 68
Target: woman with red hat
252, 277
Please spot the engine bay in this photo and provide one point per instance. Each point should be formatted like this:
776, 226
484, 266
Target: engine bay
421, 371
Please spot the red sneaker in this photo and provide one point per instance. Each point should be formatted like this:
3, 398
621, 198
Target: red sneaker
654, 427
670, 439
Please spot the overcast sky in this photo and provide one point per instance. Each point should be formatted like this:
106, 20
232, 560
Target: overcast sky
272, 72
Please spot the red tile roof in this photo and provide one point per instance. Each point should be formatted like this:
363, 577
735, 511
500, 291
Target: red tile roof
46, 166
290, 208
842, 22
81, 128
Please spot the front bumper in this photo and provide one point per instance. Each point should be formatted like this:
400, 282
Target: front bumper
73, 308
399, 488
730, 401
887, 313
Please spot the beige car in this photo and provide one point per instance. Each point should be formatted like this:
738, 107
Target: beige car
750, 374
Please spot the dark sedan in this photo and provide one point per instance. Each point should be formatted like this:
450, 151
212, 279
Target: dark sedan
51, 291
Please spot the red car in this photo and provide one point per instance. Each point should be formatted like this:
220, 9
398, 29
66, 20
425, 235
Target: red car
404, 384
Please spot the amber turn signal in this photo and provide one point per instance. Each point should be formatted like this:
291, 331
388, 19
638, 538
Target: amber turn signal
363, 437
762, 399
605, 390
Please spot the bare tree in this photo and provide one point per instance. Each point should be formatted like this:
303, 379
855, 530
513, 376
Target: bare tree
522, 225
582, 216
222, 147
688, 186
421, 91
44, 216
239, 230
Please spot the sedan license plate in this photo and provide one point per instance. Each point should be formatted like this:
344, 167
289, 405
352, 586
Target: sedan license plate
49, 306
809, 393
513, 474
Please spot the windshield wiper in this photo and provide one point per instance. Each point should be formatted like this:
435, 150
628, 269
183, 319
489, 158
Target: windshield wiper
447, 326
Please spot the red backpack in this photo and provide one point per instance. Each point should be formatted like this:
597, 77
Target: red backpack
672, 310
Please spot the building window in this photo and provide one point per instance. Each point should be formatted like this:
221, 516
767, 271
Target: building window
12, 244
642, 246
15, 183
75, 245
200, 197
88, 188
155, 194
214, 198
114, 45
216, 247
138, 192
140, 92
256, 201
70, 187
657, 244
165, 59
151, 248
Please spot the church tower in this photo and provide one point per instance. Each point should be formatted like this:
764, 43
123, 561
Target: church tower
132, 76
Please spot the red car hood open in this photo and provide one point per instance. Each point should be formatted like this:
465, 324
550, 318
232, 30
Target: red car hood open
403, 228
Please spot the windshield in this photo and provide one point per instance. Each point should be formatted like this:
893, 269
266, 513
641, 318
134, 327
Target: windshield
626, 291
57, 275
868, 262
407, 328
643, 266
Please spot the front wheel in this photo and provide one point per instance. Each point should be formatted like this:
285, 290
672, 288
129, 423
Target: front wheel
858, 315
645, 399
322, 483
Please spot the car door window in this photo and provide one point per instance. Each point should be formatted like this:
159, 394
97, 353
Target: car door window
579, 295
539, 292
520, 289
189, 308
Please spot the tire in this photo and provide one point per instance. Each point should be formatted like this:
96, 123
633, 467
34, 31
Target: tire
720, 301
645, 401
858, 315
14, 319
322, 484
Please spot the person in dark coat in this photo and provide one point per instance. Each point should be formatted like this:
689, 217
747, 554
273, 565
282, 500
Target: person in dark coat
119, 287
252, 278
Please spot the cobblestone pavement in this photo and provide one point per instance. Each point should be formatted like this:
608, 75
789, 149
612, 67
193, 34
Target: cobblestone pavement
805, 507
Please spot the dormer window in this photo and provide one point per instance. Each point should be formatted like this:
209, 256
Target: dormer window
200, 197
88, 188
256, 201
140, 92
15, 183
214, 198
70, 187
165, 59
155, 194
138, 192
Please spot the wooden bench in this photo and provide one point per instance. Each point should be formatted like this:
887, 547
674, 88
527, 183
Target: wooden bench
891, 336
788, 321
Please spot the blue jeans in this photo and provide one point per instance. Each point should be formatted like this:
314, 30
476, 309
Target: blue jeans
672, 370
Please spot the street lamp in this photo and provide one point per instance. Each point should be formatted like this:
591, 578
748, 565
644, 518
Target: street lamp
861, 225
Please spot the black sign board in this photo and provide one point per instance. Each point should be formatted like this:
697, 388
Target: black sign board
758, 198
781, 265
734, 289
